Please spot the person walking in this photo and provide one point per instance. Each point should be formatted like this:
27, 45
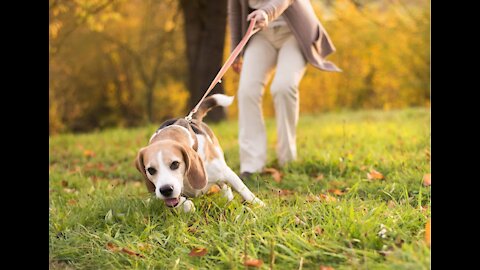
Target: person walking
290, 37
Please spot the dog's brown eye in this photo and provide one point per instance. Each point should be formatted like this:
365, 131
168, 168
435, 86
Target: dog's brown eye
174, 165
151, 171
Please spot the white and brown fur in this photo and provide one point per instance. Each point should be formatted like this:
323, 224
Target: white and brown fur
200, 160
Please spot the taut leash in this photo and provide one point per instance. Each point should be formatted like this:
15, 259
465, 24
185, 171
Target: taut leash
228, 63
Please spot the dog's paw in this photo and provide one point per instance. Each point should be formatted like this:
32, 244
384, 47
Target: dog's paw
227, 192
188, 207
257, 202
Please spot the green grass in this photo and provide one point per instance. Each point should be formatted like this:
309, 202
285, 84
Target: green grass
99, 199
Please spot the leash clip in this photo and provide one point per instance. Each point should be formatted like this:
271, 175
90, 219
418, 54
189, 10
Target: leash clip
189, 117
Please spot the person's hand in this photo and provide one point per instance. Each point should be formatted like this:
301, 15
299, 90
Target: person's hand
237, 64
260, 17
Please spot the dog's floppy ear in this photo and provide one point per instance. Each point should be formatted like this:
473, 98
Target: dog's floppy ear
194, 169
141, 168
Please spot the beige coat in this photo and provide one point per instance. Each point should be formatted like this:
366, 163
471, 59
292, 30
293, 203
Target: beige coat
300, 17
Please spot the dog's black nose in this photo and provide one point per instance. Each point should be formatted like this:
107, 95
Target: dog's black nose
166, 190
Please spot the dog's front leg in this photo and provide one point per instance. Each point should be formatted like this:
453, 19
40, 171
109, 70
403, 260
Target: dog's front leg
186, 205
238, 185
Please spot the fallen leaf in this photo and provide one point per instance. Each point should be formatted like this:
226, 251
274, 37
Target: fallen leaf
363, 168
374, 175
69, 190
253, 262
133, 253
336, 191
144, 246
192, 229
112, 247
298, 221
391, 204
323, 267
319, 177
427, 154
197, 252
312, 198
214, 189
284, 192
64, 183
137, 184
72, 202
428, 232
427, 179
328, 198
88, 153
318, 230
277, 176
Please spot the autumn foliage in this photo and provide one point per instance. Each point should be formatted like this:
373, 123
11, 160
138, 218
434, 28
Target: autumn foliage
123, 63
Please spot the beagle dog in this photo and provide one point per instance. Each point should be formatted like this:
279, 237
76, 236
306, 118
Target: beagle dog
184, 159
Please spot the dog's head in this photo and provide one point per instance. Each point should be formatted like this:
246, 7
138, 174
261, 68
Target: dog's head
166, 164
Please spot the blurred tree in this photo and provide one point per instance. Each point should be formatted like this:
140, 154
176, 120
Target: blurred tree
205, 23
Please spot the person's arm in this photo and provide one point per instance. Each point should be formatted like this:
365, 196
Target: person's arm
269, 12
275, 8
234, 21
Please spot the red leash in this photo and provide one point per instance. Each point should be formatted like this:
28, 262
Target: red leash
228, 63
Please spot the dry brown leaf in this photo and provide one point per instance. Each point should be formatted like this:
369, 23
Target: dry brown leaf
144, 246
328, 198
319, 177
133, 253
336, 192
312, 198
197, 252
285, 192
253, 262
137, 184
318, 230
298, 221
72, 202
374, 175
69, 190
427, 154
391, 204
277, 176
64, 183
88, 153
323, 267
428, 232
192, 229
427, 179
214, 189
112, 246
363, 168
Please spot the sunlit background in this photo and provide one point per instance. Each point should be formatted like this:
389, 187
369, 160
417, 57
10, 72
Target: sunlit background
123, 63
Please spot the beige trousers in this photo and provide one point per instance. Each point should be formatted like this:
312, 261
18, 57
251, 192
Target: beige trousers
273, 46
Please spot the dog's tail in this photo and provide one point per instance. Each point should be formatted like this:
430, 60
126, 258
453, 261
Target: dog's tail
211, 102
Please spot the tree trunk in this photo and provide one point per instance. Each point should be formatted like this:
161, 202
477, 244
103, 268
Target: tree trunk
205, 23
